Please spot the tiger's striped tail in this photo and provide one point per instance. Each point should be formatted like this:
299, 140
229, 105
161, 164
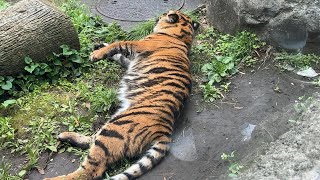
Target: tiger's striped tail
152, 157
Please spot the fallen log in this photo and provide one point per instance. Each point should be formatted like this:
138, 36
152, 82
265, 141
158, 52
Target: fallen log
33, 28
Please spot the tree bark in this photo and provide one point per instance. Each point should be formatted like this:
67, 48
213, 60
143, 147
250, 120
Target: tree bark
33, 28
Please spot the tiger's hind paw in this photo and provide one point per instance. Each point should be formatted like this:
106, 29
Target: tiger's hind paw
75, 139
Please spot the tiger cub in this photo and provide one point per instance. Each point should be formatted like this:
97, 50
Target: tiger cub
152, 93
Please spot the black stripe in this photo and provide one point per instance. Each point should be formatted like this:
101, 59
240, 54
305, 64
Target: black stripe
145, 136
111, 133
152, 159
183, 45
165, 120
184, 23
182, 76
170, 26
143, 168
161, 151
122, 122
173, 47
132, 127
171, 42
178, 58
99, 177
127, 53
175, 61
152, 96
160, 33
164, 142
186, 32
103, 147
92, 161
129, 114
181, 67
188, 84
126, 146
155, 81
173, 84
180, 98
166, 100
158, 70
140, 66
147, 106
166, 112
163, 125
175, 111
168, 134
184, 19
135, 94
129, 176
145, 54
139, 134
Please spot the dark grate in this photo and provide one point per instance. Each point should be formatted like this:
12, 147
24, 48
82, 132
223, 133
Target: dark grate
136, 10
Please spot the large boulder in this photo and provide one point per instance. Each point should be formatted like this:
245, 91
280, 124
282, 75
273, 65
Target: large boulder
291, 25
33, 28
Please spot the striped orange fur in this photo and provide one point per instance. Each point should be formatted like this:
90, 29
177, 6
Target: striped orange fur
152, 94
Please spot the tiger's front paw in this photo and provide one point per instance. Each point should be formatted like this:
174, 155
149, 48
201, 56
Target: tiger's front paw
98, 52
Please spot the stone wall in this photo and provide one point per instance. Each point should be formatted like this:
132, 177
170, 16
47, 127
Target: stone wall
292, 25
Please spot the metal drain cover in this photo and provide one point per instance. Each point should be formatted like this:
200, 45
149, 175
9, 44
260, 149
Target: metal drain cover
136, 10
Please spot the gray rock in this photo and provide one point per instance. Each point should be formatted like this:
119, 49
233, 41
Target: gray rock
289, 24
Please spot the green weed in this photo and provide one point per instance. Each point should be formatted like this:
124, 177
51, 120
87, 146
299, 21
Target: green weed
234, 167
4, 171
218, 56
6, 131
316, 82
297, 61
91, 29
141, 30
3, 5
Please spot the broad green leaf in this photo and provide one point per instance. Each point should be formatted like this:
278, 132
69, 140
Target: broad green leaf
31, 68
7, 86
52, 148
27, 60
9, 102
57, 62
22, 173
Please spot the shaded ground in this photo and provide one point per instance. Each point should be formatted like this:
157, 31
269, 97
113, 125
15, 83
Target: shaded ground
205, 131
296, 154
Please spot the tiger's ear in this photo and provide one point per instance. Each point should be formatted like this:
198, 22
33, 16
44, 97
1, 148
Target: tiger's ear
195, 25
173, 18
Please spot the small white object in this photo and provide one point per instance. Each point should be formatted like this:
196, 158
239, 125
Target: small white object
309, 72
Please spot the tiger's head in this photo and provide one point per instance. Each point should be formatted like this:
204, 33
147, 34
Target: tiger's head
176, 24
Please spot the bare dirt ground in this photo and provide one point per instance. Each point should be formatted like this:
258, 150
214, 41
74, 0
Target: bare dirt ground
205, 131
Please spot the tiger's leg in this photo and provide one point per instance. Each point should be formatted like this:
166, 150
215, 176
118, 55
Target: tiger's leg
76, 139
152, 157
127, 49
106, 149
120, 58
